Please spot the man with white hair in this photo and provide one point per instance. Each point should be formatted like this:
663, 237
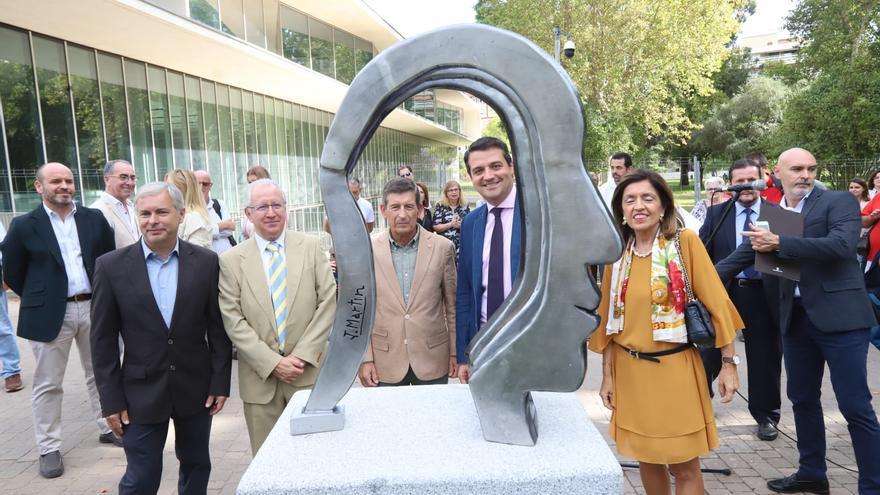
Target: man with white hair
119, 183
278, 298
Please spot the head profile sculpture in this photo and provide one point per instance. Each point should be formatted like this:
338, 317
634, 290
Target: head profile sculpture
535, 341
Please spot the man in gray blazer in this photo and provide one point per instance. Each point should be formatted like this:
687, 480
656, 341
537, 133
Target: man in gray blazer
114, 203
824, 319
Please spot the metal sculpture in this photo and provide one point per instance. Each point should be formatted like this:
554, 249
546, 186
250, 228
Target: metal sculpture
535, 341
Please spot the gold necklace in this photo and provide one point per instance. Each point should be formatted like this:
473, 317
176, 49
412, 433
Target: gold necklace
640, 255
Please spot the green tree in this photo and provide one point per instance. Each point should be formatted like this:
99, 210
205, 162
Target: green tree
745, 123
838, 113
637, 61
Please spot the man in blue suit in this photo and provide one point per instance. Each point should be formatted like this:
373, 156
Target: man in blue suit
490, 244
751, 295
824, 318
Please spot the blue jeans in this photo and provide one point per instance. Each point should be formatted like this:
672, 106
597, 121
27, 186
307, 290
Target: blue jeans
8, 347
807, 350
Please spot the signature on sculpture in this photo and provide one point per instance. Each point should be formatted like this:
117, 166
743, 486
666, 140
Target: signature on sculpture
535, 341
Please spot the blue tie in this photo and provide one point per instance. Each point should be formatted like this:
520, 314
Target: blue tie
495, 287
750, 272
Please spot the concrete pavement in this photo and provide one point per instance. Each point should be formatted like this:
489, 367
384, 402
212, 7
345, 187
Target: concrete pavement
93, 468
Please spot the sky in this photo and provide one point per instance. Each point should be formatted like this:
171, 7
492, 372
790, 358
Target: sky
412, 17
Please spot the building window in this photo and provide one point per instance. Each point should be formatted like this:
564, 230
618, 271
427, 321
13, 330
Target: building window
295, 36
344, 53
322, 47
253, 21
88, 115
205, 11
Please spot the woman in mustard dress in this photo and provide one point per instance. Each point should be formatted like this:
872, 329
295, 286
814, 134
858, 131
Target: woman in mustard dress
652, 380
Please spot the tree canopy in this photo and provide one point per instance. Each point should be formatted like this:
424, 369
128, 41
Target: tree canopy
638, 62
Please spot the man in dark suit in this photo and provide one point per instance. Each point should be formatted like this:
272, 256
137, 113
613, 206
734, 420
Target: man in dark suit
48, 259
160, 296
490, 244
751, 297
824, 319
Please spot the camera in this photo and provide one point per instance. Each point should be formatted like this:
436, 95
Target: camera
568, 49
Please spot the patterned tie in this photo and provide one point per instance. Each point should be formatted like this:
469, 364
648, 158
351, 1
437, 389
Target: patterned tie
278, 289
750, 272
495, 287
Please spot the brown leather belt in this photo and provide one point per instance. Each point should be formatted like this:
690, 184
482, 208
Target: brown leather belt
79, 298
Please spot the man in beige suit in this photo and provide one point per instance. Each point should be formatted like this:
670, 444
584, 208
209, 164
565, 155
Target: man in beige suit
413, 341
278, 298
114, 203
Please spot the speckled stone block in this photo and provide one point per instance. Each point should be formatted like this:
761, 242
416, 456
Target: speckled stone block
426, 440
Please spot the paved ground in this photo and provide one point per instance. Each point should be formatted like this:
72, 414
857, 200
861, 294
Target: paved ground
93, 468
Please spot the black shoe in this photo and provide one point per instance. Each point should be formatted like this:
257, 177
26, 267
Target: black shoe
767, 431
110, 437
51, 465
791, 484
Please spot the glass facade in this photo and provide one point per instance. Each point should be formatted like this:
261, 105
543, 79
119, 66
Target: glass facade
425, 105
73, 104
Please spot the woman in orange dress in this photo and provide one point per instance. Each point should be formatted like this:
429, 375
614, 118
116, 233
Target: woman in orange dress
652, 380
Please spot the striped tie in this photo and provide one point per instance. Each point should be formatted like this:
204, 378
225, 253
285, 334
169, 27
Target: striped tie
278, 288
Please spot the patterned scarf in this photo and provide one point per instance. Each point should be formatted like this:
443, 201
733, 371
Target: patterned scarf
668, 294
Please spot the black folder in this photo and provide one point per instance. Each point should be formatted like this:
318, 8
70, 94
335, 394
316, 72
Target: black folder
782, 222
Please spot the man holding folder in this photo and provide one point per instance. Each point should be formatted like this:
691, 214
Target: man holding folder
824, 318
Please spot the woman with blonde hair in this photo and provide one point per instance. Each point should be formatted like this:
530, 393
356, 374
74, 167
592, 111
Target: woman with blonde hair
196, 226
652, 379
449, 213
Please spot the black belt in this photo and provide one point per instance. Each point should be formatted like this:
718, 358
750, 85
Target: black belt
79, 298
749, 282
652, 356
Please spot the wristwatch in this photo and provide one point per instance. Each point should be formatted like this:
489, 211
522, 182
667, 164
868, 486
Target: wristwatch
730, 360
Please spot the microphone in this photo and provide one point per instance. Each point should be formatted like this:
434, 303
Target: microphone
756, 185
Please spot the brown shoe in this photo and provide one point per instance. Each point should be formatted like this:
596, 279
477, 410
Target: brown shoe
13, 383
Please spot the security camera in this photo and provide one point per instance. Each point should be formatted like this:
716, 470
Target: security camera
568, 49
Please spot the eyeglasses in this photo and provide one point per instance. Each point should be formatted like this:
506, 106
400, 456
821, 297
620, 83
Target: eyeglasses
125, 177
209, 184
406, 174
263, 209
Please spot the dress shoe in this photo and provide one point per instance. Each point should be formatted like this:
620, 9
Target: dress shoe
13, 383
767, 431
791, 484
51, 465
110, 437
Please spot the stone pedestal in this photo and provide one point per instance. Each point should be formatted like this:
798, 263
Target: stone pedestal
426, 440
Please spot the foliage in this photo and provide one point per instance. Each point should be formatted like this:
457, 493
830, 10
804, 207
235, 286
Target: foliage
734, 72
838, 113
637, 62
745, 123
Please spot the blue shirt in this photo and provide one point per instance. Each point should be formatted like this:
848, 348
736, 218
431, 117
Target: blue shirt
163, 279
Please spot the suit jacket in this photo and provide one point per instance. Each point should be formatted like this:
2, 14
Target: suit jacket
419, 333
250, 319
724, 243
469, 293
832, 286
164, 370
119, 225
34, 269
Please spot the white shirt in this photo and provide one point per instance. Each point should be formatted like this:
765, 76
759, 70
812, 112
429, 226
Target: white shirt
740, 221
507, 225
797, 209
220, 238
71, 253
125, 212
366, 210
607, 191
266, 255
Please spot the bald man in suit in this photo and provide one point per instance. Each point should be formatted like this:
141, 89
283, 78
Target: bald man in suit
278, 299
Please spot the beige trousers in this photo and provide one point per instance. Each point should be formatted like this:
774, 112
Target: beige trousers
51, 363
261, 418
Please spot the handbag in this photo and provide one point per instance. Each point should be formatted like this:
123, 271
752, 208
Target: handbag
864, 243
697, 319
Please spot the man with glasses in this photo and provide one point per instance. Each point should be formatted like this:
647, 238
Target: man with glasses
222, 226
114, 203
278, 299
406, 172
